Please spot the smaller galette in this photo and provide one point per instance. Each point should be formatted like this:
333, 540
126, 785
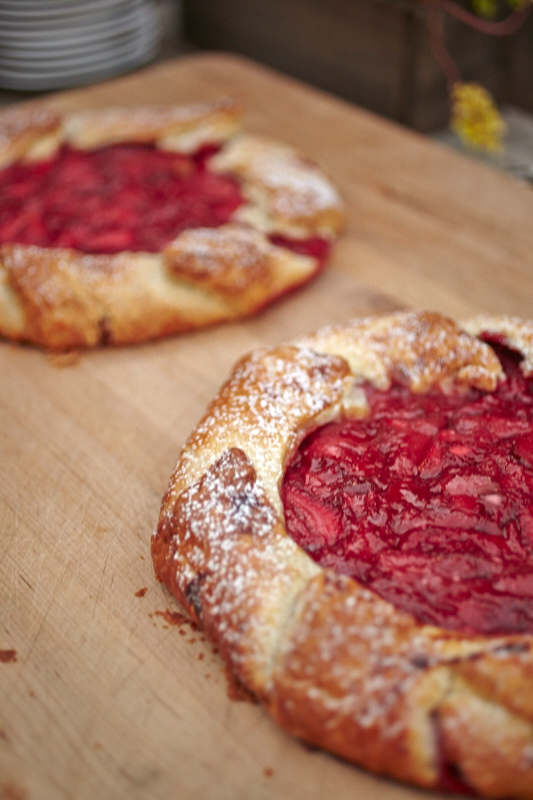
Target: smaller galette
351, 524
125, 224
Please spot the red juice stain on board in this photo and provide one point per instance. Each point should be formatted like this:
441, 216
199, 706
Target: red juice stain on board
7, 656
176, 618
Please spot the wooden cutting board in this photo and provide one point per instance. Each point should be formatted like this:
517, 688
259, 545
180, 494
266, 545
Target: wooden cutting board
102, 695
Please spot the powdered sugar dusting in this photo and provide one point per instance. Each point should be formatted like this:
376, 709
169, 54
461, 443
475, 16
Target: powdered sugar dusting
232, 257
293, 198
269, 402
27, 131
289, 191
20, 120
366, 681
418, 349
332, 662
232, 564
182, 127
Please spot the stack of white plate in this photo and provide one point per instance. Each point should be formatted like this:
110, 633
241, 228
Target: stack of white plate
53, 44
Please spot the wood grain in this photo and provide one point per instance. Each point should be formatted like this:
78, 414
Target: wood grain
104, 698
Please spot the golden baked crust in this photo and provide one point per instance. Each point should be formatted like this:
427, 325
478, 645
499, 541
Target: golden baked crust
331, 661
23, 128
60, 299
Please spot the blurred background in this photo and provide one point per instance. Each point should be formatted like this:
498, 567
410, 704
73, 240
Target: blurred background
380, 54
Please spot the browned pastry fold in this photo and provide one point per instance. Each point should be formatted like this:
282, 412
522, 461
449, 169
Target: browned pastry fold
61, 299
333, 663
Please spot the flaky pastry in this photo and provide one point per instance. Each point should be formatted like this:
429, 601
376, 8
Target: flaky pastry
64, 297
333, 662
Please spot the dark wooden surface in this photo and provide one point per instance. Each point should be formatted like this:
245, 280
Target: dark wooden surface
372, 52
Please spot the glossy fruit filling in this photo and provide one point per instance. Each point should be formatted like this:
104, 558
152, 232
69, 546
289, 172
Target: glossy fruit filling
428, 501
122, 197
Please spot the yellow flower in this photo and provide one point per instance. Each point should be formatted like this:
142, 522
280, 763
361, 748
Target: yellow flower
475, 117
485, 8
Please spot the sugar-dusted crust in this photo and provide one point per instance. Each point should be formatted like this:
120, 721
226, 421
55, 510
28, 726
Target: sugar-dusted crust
62, 299
332, 662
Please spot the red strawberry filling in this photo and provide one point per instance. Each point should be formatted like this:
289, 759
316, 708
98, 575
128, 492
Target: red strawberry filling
428, 501
122, 197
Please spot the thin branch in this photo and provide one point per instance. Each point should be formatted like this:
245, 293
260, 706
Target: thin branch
504, 27
437, 42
